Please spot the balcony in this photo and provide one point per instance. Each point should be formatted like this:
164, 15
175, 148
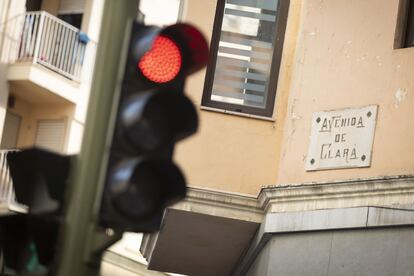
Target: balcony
51, 42
7, 198
47, 55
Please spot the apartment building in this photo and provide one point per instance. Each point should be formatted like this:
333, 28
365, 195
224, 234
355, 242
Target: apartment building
47, 52
47, 57
303, 164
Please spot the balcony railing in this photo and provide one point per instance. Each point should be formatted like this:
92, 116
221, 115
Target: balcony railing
53, 43
7, 195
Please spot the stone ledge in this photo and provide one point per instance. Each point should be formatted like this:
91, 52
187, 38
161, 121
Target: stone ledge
347, 204
129, 264
331, 219
221, 204
214, 203
386, 191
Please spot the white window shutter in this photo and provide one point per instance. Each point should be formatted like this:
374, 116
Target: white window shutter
51, 134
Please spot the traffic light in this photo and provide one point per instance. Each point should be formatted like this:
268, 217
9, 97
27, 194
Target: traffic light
152, 115
28, 240
39, 179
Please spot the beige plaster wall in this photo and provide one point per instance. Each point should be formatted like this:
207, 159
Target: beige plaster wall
9, 22
30, 115
51, 6
23, 109
345, 58
75, 114
233, 153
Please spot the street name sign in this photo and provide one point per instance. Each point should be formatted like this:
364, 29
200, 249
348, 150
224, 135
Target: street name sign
342, 138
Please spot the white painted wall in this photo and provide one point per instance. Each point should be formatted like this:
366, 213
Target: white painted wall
91, 23
75, 133
9, 10
160, 12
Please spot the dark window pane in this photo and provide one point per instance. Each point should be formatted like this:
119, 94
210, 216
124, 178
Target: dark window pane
33, 5
409, 37
74, 19
244, 55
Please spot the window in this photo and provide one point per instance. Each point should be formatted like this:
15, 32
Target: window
409, 33
74, 19
51, 134
71, 11
246, 51
33, 5
404, 37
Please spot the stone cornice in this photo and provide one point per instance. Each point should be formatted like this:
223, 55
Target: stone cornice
275, 206
380, 191
384, 191
223, 204
129, 264
210, 202
223, 199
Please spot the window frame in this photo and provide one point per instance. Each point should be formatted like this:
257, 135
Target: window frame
401, 30
281, 23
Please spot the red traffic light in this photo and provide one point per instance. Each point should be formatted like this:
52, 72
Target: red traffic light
162, 62
153, 114
161, 56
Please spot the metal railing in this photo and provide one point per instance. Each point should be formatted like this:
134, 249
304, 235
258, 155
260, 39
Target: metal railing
6, 184
53, 43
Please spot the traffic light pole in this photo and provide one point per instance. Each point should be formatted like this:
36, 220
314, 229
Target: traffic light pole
80, 237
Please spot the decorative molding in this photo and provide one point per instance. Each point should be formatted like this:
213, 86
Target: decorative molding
214, 203
221, 204
345, 204
385, 191
128, 264
379, 191
331, 219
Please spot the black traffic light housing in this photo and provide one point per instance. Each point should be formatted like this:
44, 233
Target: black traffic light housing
141, 179
152, 115
39, 181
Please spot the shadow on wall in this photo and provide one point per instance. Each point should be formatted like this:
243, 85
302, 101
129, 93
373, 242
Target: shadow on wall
4, 95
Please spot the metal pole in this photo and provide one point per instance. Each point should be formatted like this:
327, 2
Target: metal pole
80, 237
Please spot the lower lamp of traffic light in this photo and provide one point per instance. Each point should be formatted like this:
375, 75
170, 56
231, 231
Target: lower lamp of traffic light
139, 188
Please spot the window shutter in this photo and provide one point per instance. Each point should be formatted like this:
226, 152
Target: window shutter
51, 134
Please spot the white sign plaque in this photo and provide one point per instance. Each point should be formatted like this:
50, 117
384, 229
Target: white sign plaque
342, 138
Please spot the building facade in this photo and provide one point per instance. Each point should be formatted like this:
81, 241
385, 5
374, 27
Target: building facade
47, 53
47, 57
303, 164
48, 50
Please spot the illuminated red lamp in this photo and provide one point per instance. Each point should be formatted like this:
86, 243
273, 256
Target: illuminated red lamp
162, 63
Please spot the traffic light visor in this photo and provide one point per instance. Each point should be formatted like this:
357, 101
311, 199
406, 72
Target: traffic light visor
192, 44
